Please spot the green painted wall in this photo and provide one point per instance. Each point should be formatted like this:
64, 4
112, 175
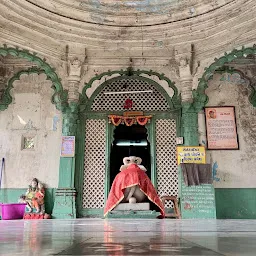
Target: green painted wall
231, 203
235, 203
11, 195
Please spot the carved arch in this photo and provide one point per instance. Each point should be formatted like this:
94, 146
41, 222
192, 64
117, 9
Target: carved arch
174, 101
200, 98
59, 97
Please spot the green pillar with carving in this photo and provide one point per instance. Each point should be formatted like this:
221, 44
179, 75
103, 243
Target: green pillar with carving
190, 125
65, 196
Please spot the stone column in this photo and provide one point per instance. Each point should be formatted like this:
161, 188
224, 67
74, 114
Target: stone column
186, 79
74, 78
65, 196
202, 129
5, 74
190, 125
183, 56
70, 118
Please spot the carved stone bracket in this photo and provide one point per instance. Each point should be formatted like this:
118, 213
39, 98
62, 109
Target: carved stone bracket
75, 70
183, 57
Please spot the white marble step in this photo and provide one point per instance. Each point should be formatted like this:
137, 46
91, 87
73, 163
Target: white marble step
134, 207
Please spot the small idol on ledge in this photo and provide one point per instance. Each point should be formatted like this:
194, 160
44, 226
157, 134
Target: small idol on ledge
34, 197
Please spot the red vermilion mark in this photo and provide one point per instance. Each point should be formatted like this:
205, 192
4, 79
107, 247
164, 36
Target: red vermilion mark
187, 206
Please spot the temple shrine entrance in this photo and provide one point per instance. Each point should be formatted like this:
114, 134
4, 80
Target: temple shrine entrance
129, 141
107, 141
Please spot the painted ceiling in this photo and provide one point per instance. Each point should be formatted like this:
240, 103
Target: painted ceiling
130, 12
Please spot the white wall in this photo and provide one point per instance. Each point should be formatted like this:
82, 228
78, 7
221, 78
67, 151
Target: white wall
236, 168
30, 114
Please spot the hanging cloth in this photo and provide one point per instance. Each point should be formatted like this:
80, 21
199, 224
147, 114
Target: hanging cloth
196, 174
190, 174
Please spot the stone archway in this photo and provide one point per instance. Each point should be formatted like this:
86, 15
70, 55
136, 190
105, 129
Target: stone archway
94, 124
200, 98
59, 96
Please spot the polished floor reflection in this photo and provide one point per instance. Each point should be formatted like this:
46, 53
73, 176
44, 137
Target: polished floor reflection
128, 237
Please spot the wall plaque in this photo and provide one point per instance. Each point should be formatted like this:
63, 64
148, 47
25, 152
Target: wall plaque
67, 146
191, 155
221, 128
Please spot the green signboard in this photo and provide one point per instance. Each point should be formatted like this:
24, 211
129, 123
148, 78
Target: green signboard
196, 202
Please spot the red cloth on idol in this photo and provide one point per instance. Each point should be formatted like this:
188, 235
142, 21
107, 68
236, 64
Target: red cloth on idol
131, 176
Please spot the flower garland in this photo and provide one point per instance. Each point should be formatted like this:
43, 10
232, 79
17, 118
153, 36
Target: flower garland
129, 120
142, 120
116, 120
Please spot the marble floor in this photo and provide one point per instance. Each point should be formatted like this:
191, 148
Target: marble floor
118, 237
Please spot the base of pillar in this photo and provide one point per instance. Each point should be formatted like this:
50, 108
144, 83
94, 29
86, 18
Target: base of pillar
64, 204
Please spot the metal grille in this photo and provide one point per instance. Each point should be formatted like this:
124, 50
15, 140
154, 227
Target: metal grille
94, 164
141, 101
166, 163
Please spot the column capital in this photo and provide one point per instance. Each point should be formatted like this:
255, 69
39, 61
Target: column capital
183, 58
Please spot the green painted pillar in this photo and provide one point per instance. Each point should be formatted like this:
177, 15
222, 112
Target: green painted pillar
190, 125
190, 196
65, 195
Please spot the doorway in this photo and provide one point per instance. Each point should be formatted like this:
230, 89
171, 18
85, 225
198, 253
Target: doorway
129, 141
103, 145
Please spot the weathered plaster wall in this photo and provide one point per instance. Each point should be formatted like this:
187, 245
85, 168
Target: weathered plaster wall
30, 114
234, 168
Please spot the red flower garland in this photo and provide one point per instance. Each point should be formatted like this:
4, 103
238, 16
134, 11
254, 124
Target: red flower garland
142, 120
129, 120
116, 120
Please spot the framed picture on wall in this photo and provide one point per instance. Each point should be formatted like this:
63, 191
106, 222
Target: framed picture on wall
221, 129
67, 146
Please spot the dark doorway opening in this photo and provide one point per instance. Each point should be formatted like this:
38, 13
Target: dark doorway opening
129, 141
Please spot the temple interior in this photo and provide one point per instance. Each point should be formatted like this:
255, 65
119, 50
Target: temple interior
128, 127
